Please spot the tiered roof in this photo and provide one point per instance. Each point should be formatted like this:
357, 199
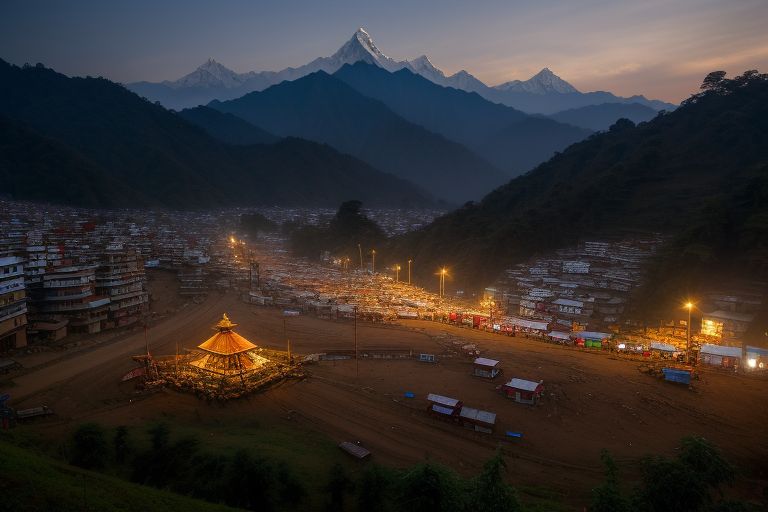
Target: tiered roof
228, 353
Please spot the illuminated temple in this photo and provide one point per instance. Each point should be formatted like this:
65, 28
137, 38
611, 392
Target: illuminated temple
226, 353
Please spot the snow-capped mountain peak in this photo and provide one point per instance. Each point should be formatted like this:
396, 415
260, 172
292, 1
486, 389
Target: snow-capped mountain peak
359, 48
543, 82
209, 74
424, 67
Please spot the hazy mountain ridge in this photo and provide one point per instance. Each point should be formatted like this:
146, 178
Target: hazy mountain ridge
508, 138
601, 117
323, 108
226, 127
63, 129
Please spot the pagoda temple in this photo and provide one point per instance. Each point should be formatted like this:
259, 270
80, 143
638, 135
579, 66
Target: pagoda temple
228, 354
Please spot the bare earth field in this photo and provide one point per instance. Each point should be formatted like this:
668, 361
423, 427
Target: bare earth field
592, 401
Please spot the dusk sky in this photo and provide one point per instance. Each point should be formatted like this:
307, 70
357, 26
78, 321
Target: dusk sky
658, 48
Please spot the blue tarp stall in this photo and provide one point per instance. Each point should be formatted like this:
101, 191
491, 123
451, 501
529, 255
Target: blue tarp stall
675, 375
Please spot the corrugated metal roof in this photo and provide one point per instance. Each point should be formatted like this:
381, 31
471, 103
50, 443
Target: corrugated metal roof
486, 417
478, 415
526, 385
442, 410
593, 335
444, 400
757, 351
529, 324
665, 347
568, 302
728, 315
559, 335
720, 350
484, 361
354, 449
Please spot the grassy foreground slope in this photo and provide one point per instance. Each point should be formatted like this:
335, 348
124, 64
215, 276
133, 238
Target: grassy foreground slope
31, 482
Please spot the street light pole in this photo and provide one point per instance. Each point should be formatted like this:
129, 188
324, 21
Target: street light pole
689, 306
409, 271
442, 281
357, 364
397, 273
491, 304
360, 250
373, 261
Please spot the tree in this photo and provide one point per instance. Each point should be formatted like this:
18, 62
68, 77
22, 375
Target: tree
375, 485
159, 434
121, 444
705, 459
89, 446
350, 226
686, 483
490, 492
714, 81
337, 487
608, 497
429, 487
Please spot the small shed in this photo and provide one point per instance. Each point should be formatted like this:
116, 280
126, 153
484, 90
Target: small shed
523, 391
559, 336
663, 349
591, 339
355, 450
486, 368
481, 421
718, 355
443, 406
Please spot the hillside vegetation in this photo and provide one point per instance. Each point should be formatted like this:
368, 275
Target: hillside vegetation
698, 174
123, 150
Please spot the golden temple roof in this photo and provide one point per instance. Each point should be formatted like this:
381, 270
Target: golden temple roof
226, 341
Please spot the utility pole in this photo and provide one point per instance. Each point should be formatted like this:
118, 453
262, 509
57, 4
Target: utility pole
360, 250
373, 261
689, 306
357, 360
409, 271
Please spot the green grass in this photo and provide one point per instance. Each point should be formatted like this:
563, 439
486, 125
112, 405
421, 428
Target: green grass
540, 499
308, 454
31, 482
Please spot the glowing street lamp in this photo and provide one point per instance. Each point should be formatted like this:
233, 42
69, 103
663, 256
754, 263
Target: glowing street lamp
397, 273
443, 272
689, 306
373, 261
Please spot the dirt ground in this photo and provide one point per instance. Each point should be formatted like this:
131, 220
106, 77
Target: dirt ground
592, 401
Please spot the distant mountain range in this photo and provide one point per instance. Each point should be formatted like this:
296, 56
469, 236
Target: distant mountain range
323, 108
511, 140
601, 117
90, 142
543, 93
698, 175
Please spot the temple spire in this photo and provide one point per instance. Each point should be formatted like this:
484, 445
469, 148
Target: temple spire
225, 324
